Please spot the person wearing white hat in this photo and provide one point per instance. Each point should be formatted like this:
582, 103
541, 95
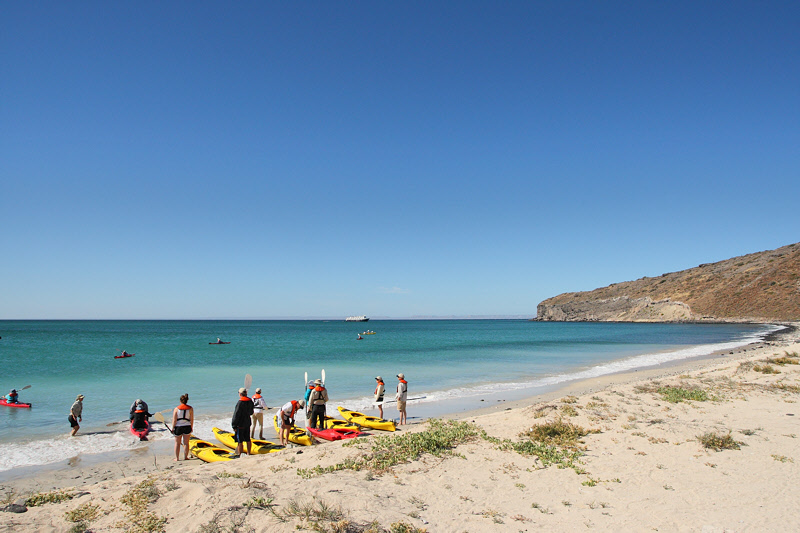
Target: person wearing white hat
258, 414
240, 422
75, 413
401, 396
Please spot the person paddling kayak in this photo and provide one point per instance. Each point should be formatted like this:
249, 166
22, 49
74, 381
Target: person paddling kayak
12, 397
139, 414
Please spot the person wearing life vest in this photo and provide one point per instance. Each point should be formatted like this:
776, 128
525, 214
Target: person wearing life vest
309, 388
241, 423
401, 396
287, 414
258, 414
12, 397
182, 423
139, 414
317, 400
379, 391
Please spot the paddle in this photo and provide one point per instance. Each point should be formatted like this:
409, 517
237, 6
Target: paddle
323, 376
18, 390
160, 418
248, 380
417, 398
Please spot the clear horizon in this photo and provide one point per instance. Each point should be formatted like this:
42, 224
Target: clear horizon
165, 161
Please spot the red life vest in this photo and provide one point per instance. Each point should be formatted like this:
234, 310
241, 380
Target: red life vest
404, 381
378, 386
256, 396
295, 407
244, 399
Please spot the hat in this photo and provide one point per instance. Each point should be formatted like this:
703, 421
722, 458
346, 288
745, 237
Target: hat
13, 390
379, 378
138, 400
242, 390
80, 397
258, 389
401, 375
317, 382
301, 403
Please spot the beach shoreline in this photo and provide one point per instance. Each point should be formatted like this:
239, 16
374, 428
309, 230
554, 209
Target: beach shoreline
105, 480
146, 457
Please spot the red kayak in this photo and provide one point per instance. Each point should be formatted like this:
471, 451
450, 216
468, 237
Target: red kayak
21, 405
335, 433
219, 343
141, 433
124, 356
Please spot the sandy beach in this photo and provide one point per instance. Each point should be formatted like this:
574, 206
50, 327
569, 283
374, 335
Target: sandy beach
638, 465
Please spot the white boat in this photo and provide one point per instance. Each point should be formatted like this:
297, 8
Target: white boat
361, 318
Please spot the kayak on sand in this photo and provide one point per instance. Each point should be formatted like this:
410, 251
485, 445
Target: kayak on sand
335, 434
257, 445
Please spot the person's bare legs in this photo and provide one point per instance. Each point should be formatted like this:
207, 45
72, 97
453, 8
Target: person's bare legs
178, 447
186, 447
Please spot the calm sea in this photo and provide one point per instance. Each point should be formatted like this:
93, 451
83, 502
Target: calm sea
442, 360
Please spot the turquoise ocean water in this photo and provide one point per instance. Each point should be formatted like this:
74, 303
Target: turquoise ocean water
444, 360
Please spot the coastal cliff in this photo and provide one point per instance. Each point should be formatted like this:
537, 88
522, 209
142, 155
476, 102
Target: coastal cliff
761, 286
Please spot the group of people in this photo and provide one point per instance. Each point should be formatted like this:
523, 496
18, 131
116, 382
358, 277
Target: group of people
248, 414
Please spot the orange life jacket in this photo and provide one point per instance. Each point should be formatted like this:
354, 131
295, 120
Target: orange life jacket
256, 396
184, 407
244, 399
404, 381
295, 407
378, 386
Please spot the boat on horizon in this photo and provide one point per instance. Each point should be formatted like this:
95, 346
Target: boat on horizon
362, 318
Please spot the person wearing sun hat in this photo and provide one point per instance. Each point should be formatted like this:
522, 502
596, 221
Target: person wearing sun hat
75, 414
241, 423
379, 391
401, 396
258, 414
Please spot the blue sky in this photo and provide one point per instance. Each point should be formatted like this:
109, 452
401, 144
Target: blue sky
322, 159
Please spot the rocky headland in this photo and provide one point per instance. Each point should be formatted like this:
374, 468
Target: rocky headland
758, 287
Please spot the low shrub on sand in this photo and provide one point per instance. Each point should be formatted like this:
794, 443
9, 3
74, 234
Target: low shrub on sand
766, 369
679, 394
717, 442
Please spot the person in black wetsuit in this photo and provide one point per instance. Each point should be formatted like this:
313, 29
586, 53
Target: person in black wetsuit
139, 414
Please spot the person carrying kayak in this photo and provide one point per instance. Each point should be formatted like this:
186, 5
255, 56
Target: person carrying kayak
182, 422
241, 423
12, 397
288, 412
379, 391
75, 413
139, 414
258, 414
317, 400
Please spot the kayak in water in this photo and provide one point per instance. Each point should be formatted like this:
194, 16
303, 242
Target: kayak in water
141, 433
124, 355
20, 405
220, 342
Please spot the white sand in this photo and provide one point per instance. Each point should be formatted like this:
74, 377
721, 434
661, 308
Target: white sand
645, 469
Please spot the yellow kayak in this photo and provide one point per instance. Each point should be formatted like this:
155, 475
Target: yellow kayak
206, 451
257, 445
354, 417
296, 435
336, 423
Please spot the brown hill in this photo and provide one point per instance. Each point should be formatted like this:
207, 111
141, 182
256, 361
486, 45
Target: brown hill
755, 287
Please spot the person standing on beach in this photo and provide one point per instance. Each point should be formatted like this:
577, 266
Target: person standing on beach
75, 414
241, 423
317, 400
258, 414
182, 424
309, 387
287, 413
401, 396
379, 391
